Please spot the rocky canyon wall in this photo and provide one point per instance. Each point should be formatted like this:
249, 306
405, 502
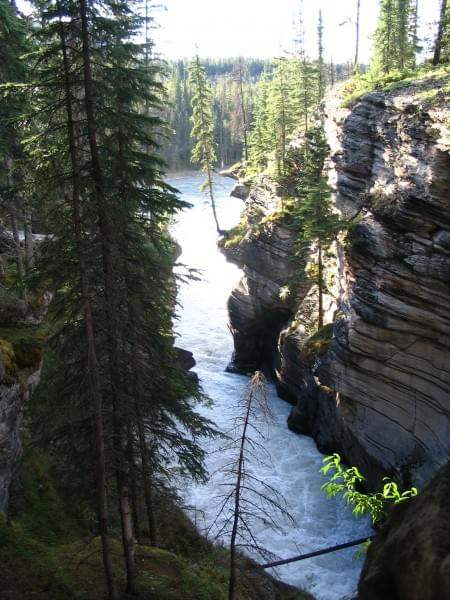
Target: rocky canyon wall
374, 385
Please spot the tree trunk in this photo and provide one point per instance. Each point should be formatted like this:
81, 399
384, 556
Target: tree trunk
320, 284
111, 268
358, 11
14, 214
440, 34
29, 243
94, 376
134, 488
237, 499
147, 483
18, 251
283, 122
244, 116
211, 197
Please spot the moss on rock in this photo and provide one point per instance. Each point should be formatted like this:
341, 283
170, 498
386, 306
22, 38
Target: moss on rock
317, 343
27, 342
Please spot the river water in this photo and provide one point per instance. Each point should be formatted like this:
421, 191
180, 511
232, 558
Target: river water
295, 461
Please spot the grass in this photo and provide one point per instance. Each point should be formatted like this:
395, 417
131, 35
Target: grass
395, 80
9, 361
236, 234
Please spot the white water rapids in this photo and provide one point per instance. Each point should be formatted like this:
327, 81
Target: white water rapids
203, 330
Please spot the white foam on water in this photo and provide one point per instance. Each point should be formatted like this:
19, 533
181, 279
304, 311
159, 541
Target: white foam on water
295, 460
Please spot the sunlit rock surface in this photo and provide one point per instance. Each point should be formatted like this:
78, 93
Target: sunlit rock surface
388, 360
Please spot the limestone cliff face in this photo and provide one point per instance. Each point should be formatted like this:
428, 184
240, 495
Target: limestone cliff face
379, 391
255, 307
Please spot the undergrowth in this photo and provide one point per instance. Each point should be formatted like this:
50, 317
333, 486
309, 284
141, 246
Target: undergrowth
394, 80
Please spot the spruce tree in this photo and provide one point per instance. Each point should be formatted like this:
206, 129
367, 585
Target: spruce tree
259, 139
15, 189
113, 382
394, 37
442, 42
317, 223
204, 151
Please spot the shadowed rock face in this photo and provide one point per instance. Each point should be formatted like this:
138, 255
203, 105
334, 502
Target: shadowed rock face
410, 556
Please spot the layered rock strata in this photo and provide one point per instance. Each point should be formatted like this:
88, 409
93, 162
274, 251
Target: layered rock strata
378, 391
256, 306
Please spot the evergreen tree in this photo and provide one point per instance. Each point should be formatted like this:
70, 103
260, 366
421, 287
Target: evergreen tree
15, 191
204, 151
358, 14
304, 89
259, 138
242, 104
442, 42
395, 37
317, 224
113, 382
321, 81
281, 119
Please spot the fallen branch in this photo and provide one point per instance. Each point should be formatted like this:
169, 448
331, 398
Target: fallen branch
285, 561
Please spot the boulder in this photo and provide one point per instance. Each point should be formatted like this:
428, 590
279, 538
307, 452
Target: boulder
240, 191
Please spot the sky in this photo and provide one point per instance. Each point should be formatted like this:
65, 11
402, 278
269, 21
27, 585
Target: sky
263, 28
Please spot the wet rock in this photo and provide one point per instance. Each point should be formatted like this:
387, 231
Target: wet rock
186, 361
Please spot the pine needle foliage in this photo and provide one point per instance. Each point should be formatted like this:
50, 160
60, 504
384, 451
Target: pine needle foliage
204, 150
317, 223
395, 37
113, 396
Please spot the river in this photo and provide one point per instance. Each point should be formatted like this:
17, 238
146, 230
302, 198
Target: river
295, 461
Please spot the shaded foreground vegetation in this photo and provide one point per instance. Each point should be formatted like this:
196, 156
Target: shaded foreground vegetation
50, 550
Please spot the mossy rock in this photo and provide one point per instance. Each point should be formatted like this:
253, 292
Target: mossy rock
9, 361
318, 343
27, 342
236, 234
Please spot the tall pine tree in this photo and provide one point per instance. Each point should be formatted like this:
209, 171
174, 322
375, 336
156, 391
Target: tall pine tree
204, 151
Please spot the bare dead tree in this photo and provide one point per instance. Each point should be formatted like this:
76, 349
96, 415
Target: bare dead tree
245, 499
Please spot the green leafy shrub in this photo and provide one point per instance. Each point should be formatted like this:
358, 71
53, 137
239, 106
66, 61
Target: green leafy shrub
346, 481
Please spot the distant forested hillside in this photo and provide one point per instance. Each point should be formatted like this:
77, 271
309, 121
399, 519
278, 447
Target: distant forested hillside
235, 83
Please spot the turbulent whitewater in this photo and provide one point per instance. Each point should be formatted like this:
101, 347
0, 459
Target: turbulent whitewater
295, 461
